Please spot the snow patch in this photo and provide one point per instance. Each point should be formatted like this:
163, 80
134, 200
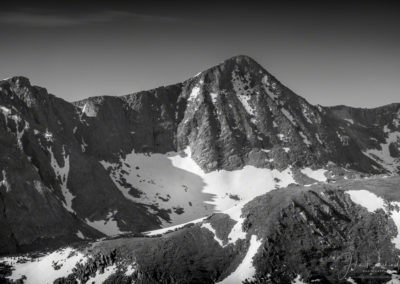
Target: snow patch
17, 120
281, 137
172, 228
349, 120
214, 97
237, 233
5, 110
80, 235
39, 186
212, 230
4, 182
130, 270
288, 116
319, 139
48, 136
195, 91
382, 156
298, 280
109, 226
305, 139
366, 199
89, 109
395, 214
43, 269
245, 270
62, 176
265, 80
100, 277
318, 175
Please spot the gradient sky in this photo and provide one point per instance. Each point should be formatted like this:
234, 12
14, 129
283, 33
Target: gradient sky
329, 52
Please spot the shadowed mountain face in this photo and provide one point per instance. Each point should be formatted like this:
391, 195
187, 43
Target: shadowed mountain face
110, 165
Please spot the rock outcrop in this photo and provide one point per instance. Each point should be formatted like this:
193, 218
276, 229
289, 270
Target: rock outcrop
325, 233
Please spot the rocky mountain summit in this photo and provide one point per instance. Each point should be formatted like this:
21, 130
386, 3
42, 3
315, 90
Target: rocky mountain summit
104, 166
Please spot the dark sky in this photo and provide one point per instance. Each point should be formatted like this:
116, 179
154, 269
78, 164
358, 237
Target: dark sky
329, 52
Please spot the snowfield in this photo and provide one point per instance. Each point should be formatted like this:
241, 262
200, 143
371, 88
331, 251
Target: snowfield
109, 226
45, 269
174, 181
318, 175
161, 184
382, 156
246, 269
245, 184
209, 227
367, 199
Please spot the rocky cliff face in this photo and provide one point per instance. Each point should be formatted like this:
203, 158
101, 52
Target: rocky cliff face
232, 114
110, 165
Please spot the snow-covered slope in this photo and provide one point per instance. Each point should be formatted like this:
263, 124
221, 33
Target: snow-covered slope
283, 236
175, 182
45, 269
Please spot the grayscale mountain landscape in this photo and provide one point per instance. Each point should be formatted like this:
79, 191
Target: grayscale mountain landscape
200, 142
226, 177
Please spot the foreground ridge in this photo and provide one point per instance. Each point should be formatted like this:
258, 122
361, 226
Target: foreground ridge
321, 226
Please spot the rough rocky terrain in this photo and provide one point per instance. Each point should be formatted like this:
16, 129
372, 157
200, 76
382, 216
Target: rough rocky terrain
316, 234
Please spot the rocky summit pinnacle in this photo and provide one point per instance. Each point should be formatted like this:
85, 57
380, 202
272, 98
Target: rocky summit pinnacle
105, 165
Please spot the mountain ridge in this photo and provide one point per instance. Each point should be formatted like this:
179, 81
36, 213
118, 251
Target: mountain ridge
233, 58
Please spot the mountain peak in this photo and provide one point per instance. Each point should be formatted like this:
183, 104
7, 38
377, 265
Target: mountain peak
18, 81
243, 61
22, 88
238, 62
242, 58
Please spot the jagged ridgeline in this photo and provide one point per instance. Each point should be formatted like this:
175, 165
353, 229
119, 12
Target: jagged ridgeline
104, 166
